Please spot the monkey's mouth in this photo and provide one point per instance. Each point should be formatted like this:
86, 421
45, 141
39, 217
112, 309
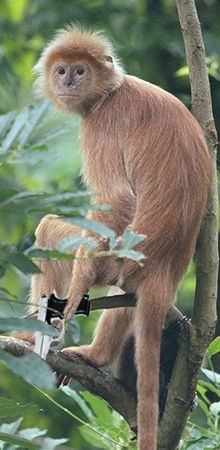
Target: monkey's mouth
70, 95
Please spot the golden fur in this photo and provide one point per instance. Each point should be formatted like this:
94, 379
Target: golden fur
146, 156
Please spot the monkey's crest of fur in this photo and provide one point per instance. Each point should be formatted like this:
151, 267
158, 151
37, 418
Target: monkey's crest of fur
74, 40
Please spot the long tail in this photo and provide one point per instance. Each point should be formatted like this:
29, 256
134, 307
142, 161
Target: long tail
154, 296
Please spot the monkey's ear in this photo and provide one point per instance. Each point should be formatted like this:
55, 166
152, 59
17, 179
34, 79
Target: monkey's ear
109, 60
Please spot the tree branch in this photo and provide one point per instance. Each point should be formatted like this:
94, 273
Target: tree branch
193, 346
91, 377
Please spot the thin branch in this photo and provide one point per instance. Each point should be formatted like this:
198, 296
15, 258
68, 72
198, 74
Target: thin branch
193, 346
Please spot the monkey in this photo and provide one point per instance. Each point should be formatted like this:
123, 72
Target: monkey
145, 155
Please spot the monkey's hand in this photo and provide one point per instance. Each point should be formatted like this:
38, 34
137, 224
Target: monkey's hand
86, 271
83, 278
72, 304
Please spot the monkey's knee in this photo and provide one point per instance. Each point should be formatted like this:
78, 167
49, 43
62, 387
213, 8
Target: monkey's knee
43, 230
24, 336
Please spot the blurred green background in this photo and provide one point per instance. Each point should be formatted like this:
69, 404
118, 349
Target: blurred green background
147, 36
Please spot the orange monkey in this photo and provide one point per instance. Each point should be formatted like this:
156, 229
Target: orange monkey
146, 156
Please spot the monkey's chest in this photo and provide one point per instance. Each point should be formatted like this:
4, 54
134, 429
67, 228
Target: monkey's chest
103, 166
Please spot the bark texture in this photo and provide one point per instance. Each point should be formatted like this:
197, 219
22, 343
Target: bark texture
194, 344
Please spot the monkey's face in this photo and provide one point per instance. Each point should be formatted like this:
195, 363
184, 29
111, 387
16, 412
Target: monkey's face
70, 83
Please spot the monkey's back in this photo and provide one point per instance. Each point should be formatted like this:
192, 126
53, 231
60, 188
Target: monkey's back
151, 144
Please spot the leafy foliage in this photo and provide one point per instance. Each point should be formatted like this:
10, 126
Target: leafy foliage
206, 437
30, 438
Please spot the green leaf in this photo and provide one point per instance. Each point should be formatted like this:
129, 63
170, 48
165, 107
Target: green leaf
18, 124
11, 427
204, 407
130, 238
24, 195
26, 241
34, 119
2, 270
31, 368
5, 156
23, 263
70, 413
34, 157
214, 347
209, 387
31, 433
131, 254
32, 325
65, 196
99, 207
6, 194
9, 407
52, 133
6, 121
93, 225
80, 402
215, 408
50, 444
48, 254
16, 440
213, 376
72, 242
182, 72
99, 407
95, 440
4, 293
202, 391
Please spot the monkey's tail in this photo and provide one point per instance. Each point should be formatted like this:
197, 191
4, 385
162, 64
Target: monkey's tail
154, 296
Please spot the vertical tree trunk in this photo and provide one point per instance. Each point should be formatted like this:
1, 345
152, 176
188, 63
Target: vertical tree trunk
194, 344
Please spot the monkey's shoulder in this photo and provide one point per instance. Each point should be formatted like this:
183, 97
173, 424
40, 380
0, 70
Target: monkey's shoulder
138, 102
149, 94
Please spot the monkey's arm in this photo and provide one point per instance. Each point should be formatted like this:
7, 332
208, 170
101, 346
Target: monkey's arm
88, 271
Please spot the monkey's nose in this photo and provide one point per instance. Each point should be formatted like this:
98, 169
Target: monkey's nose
68, 81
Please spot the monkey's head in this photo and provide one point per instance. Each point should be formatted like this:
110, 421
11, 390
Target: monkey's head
77, 70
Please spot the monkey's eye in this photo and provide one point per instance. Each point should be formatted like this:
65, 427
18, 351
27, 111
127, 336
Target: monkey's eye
61, 70
80, 71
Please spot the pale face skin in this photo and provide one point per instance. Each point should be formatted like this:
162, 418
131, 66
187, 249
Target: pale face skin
71, 82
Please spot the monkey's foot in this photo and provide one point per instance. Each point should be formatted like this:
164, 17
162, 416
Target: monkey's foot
88, 353
82, 351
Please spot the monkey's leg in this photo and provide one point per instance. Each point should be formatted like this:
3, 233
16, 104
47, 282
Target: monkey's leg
154, 296
111, 330
55, 275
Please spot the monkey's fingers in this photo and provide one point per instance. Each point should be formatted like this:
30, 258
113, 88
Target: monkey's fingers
70, 308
